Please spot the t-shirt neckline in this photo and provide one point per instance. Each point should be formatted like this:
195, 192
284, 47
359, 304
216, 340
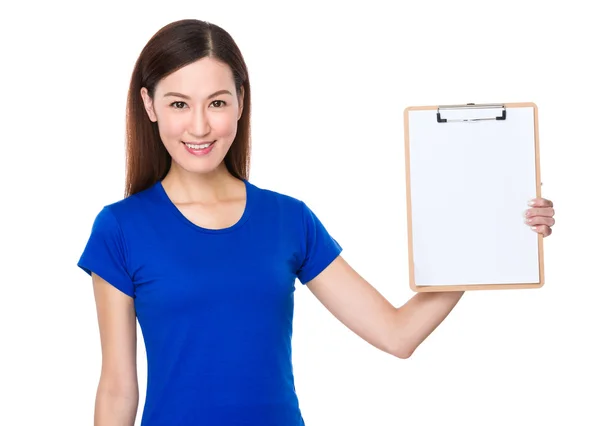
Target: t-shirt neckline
174, 210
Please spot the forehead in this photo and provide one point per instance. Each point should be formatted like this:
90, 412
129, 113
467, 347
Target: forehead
200, 78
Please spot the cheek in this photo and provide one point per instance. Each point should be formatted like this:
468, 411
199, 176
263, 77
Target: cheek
224, 125
171, 127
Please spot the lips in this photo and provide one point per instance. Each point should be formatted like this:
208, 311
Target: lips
199, 148
199, 144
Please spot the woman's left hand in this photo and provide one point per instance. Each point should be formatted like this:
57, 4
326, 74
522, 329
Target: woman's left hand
540, 216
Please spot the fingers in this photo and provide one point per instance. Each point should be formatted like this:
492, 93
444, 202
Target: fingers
540, 202
540, 211
545, 230
540, 216
540, 220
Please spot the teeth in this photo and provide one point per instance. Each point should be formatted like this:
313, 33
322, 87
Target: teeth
204, 145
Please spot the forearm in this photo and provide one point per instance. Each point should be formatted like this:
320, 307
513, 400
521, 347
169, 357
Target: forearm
419, 317
115, 407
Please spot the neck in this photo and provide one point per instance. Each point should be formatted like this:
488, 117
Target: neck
204, 188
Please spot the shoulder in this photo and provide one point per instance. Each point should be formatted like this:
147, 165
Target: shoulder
286, 209
136, 203
269, 198
315, 247
127, 210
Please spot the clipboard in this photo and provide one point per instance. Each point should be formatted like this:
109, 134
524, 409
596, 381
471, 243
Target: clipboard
471, 169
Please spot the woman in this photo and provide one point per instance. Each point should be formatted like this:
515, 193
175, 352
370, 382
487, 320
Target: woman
207, 261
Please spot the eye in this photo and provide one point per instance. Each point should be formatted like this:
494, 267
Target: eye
219, 103
178, 104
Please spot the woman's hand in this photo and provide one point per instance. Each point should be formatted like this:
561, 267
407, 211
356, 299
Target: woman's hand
540, 216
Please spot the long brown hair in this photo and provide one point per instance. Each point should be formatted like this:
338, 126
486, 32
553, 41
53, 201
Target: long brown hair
171, 48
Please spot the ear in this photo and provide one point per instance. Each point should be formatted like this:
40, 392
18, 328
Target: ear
241, 102
148, 104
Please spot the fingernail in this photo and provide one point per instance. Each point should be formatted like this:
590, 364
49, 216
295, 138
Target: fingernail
531, 203
534, 228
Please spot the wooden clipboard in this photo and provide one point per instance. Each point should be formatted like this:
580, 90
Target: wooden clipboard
470, 171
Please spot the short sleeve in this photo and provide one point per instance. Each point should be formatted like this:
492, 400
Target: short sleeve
105, 253
319, 247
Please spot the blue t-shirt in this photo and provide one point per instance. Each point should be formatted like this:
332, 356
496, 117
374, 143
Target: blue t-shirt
215, 306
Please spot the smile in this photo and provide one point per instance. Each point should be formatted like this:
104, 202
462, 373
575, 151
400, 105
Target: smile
199, 148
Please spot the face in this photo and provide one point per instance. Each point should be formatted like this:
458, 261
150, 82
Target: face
197, 110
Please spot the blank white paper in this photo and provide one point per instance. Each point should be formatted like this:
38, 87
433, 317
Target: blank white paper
470, 184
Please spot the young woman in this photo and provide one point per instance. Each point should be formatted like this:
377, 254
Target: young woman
207, 262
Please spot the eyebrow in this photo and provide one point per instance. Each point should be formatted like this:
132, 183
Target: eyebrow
181, 95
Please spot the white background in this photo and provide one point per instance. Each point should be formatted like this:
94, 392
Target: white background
329, 84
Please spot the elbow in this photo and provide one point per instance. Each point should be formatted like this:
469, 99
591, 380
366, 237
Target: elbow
121, 393
116, 403
397, 343
118, 387
403, 352
401, 348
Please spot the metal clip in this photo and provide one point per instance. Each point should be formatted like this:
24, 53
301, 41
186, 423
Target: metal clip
470, 106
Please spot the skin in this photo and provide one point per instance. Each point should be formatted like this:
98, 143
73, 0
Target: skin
209, 196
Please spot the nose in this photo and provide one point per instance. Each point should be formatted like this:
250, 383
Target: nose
199, 125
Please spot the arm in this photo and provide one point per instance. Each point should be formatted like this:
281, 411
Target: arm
117, 395
398, 331
358, 305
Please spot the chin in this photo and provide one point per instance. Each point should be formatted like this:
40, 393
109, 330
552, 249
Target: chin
197, 164
195, 168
